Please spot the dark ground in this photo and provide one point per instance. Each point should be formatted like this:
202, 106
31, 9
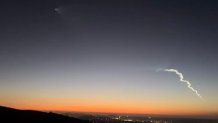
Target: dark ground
9, 115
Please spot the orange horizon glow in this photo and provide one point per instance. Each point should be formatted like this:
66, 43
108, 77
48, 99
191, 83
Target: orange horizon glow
107, 108
151, 58
107, 103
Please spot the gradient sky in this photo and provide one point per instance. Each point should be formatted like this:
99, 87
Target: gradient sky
102, 56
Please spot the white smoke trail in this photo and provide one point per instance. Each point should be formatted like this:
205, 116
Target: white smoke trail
185, 81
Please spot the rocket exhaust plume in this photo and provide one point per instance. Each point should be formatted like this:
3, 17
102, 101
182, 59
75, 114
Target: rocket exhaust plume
185, 81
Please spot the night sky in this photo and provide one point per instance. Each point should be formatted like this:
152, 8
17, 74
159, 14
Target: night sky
103, 56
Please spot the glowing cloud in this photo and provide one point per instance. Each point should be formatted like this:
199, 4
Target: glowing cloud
185, 81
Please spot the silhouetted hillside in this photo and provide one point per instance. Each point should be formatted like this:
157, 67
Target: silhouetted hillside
27, 116
185, 120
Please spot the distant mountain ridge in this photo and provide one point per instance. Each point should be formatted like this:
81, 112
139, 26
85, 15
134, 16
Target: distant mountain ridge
10, 115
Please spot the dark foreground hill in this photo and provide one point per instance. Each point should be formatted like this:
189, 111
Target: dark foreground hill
10, 115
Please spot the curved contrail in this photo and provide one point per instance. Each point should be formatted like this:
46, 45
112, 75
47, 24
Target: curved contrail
182, 80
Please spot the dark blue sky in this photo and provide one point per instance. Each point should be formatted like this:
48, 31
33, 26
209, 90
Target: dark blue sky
176, 31
96, 40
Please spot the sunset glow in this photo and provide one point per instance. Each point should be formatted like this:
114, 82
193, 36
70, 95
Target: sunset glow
140, 56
